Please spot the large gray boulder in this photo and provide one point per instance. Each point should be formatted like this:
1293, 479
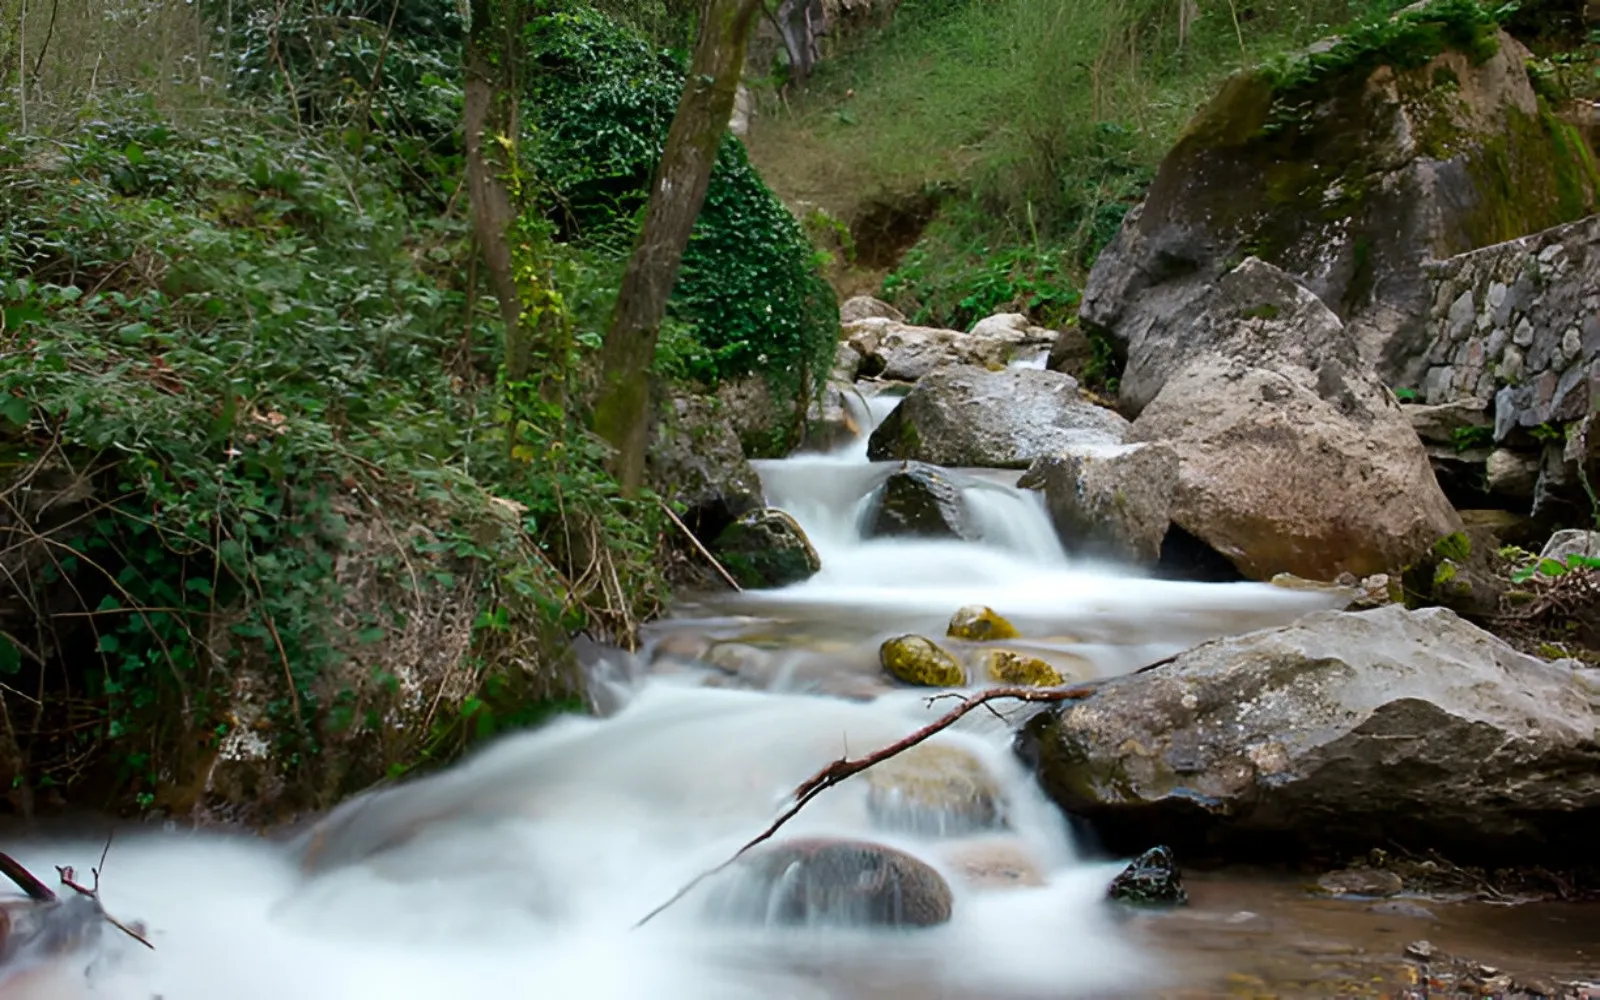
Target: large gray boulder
967, 416
919, 501
1109, 501
1351, 181
766, 548
902, 352
1338, 733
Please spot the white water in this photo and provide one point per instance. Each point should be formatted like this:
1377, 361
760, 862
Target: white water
532, 862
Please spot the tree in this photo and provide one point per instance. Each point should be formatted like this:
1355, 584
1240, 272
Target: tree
622, 415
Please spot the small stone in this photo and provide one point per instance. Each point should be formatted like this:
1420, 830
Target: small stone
1008, 667
934, 790
916, 660
977, 623
1152, 879
1361, 882
1422, 951
1401, 908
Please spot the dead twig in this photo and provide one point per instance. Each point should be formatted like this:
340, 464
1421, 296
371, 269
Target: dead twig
26, 880
843, 768
701, 548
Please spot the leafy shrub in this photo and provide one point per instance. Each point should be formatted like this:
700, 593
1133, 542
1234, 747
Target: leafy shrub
750, 290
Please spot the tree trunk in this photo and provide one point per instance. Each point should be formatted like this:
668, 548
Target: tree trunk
489, 111
622, 415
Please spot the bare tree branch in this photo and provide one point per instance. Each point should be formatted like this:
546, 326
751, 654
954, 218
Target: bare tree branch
844, 768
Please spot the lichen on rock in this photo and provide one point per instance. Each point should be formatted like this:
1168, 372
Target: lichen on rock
1010, 667
914, 659
977, 623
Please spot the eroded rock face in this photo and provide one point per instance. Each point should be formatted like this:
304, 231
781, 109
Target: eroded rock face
832, 882
1339, 732
1353, 192
966, 416
1314, 474
1109, 501
695, 459
919, 501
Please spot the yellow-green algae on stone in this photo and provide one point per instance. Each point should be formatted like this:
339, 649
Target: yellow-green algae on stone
1010, 667
917, 660
977, 623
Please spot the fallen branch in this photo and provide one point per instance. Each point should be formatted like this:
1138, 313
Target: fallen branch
703, 550
844, 768
41, 893
25, 880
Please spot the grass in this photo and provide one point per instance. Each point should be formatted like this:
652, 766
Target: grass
1045, 119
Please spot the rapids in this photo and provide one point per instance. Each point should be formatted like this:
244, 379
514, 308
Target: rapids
522, 871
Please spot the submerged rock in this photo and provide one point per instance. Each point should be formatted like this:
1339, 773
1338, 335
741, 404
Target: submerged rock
967, 416
1361, 882
989, 865
1152, 879
977, 623
919, 501
833, 882
1109, 501
1333, 734
766, 548
916, 660
1013, 668
934, 789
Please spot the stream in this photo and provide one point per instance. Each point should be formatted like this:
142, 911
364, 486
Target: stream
523, 871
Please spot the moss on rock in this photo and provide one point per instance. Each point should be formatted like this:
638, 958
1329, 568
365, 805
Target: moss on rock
1008, 667
914, 659
977, 623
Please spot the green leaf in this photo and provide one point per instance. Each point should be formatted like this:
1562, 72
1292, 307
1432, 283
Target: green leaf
108, 644
15, 411
10, 656
134, 154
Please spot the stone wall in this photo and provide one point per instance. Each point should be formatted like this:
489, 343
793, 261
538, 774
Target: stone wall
1516, 327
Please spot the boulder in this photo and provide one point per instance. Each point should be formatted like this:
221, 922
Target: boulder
966, 416
1151, 879
763, 423
913, 659
696, 460
1109, 501
862, 307
1260, 453
934, 789
833, 418
904, 353
1071, 353
919, 501
976, 623
766, 548
1339, 732
1352, 176
815, 881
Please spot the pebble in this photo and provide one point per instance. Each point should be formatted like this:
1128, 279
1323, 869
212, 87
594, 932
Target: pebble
1420, 950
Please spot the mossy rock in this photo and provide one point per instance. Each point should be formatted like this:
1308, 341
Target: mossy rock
934, 790
1009, 667
977, 623
913, 659
767, 548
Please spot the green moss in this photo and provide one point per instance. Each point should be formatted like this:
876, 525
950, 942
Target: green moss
977, 623
1455, 546
916, 660
1443, 574
1536, 174
1007, 667
1264, 311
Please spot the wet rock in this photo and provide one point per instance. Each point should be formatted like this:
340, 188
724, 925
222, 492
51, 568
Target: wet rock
696, 460
1257, 449
862, 307
1400, 152
766, 548
919, 501
763, 422
967, 416
905, 353
38, 933
1071, 353
977, 623
1152, 879
1401, 908
995, 865
1012, 668
832, 417
934, 789
1109, 501
1335, 733
1361, 882
816, 881
913, 659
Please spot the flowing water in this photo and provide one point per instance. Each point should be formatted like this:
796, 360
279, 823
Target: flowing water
524, 871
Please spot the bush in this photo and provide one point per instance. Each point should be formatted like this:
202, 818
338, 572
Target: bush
750, 291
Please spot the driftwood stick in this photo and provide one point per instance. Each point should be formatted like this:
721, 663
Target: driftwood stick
844, 767
702, 549
26, 880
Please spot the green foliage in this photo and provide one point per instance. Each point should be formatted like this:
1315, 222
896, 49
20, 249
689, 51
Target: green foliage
1475, 436
750, 291
1554, 568
245, 343
1456, 546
